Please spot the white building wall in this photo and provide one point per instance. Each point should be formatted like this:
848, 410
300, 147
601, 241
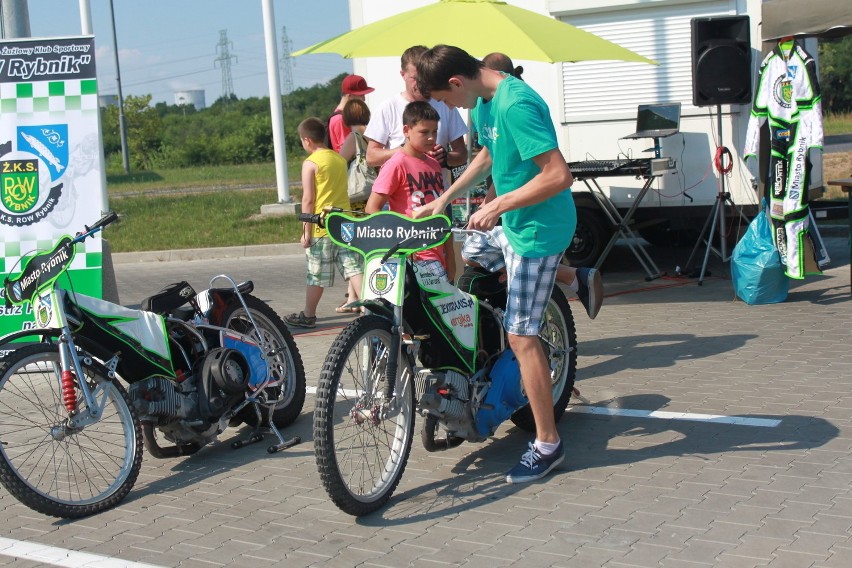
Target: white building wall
594, 103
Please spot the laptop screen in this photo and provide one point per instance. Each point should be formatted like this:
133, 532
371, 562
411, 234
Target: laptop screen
652, 118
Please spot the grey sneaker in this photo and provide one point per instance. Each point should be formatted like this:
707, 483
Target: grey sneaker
534, 465
300, 320
590, 290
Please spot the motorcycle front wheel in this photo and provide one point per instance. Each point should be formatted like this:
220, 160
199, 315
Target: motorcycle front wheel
361, 440
288, 393
559, 341
46, 461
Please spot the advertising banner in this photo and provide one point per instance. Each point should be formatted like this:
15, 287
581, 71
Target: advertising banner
50, 159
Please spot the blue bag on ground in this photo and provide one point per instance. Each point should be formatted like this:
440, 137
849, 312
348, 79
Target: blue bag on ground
756, 268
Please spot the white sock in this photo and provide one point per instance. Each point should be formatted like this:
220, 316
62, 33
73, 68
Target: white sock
544, 448
575, 285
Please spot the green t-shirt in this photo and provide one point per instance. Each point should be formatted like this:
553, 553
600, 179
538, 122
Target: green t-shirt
515, 126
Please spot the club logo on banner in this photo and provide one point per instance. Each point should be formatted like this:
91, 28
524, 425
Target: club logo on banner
51, 181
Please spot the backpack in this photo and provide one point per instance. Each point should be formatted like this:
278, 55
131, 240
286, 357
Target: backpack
361, 176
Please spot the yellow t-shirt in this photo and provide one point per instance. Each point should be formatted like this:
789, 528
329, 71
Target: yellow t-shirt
332, 182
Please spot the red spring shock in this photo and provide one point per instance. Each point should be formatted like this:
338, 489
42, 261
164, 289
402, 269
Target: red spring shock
69, 394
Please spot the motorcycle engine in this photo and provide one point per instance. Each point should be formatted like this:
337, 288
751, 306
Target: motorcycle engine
217, 383
446, 395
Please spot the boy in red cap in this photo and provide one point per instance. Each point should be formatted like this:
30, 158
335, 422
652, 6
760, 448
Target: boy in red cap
353, 87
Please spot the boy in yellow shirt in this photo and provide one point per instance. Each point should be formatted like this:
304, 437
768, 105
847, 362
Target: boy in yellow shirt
324, 182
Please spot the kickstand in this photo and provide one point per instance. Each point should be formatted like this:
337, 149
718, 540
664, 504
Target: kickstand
257, 436
282, 443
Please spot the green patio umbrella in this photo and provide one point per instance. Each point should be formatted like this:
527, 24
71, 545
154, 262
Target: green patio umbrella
479, 27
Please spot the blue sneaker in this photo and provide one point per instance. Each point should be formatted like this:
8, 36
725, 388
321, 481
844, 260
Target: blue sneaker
590, 290
534, 466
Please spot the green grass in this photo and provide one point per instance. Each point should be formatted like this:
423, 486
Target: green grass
227, 218
837, 123
210, 177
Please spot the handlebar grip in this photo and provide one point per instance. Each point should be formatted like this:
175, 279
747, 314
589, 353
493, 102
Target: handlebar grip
107, 219
309, 218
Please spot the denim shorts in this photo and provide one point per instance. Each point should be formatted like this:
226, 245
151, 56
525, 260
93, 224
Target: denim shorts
322, 257
530, 280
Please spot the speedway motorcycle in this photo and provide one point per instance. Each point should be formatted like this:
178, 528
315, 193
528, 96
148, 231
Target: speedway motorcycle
424, 347
71, 433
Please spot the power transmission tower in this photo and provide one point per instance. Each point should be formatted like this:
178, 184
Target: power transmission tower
224, 61
286, 63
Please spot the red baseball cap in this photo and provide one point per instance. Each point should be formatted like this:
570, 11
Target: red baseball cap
355, 85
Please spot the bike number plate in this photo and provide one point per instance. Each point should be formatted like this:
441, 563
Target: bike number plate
44, 310
384, 280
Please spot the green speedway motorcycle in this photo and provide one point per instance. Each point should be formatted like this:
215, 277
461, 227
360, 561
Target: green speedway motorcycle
427, 347
71, 434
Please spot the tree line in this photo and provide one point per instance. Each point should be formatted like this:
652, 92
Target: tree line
231, 131
234, 131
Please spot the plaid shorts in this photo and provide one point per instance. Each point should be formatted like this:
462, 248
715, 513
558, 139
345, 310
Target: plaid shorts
530, 280
323, 255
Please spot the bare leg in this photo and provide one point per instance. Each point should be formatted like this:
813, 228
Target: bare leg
312, 298
535, 373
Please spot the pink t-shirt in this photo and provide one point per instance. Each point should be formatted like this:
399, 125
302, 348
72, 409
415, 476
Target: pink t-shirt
411, 182
337, 132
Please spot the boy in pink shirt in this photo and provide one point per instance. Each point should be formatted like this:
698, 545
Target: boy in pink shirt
412, 178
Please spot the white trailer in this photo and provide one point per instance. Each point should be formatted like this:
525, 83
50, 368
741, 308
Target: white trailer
594, 105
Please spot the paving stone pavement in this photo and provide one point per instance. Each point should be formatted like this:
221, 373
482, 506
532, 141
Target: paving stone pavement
633, 492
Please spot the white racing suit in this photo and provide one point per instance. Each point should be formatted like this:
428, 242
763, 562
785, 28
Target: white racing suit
788, 95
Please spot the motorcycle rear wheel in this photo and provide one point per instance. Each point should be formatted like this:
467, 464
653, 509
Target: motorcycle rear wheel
49, 466
361, 445
286, 367
559, 340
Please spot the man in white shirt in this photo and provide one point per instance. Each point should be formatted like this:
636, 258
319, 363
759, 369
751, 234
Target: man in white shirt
384, 133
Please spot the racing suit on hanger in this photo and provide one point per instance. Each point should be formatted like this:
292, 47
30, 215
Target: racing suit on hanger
788, 95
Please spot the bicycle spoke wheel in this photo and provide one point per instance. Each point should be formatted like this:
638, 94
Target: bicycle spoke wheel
49, 462
362, 441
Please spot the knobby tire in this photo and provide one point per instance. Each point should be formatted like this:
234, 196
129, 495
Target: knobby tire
45, 464
360, 455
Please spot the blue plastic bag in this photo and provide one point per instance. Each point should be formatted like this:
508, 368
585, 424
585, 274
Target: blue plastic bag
756, 268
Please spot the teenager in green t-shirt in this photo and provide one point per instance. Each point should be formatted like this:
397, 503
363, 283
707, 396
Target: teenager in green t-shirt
532, 197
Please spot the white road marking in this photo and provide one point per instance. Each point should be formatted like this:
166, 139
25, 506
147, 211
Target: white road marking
345, 392
55, 556
712, 418
659, 414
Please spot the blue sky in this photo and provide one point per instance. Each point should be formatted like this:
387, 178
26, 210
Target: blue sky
169, 45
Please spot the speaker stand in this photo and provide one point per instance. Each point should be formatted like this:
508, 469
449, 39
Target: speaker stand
717, 212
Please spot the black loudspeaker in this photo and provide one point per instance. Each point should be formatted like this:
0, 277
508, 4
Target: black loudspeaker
721, 61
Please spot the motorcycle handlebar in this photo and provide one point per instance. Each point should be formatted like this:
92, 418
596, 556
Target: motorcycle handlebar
107, 219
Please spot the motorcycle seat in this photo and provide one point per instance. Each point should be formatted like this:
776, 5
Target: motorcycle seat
169, 298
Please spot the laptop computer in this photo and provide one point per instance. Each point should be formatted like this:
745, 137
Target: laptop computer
657, 121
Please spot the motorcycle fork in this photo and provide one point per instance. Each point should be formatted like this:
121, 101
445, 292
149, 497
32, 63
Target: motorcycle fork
70, 374
394, 352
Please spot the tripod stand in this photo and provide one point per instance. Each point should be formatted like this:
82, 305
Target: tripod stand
717, 213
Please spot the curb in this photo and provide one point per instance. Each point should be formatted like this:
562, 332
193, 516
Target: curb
214, 253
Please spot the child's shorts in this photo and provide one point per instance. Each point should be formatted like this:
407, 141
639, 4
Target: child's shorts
323, 255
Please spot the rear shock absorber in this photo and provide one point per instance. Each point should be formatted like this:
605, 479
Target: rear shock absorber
69, 394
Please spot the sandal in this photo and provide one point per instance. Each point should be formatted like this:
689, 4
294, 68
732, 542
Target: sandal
300, 320
344, 309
